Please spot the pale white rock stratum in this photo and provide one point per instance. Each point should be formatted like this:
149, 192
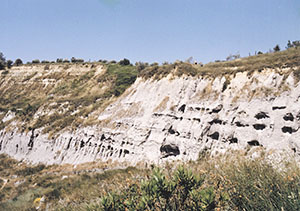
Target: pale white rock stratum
177, 118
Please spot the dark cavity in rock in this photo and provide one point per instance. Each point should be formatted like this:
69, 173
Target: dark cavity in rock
261, 115
197, 119
259, 126
286, 129
239, 124
278, 107
171, 130
169, 150
233, 140
68, 146
182, 108
216, 121
288, 117
254, 143
30, 143
215, 135
217, 109
82, 144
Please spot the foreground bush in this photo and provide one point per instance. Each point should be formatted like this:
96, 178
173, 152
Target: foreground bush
231, 183
183, 191
256, 185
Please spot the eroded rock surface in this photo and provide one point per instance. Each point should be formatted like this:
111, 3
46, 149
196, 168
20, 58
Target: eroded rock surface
176, 118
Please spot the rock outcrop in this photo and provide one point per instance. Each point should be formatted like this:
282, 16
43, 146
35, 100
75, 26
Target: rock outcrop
176, 118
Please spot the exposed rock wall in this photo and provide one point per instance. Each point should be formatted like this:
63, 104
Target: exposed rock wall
177, 118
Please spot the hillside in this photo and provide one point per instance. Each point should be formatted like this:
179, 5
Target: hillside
76, 113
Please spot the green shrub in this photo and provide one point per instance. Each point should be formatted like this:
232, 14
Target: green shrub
140, 66
36, 61
30, 170
293, 44
124, 62
256, 185
18, 62
2, 61
183, 191
74, 60
122, 77
9, 63
54, 194
276, 48
58, 60
5, 72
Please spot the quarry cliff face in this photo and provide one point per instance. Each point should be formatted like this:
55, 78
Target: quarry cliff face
171, 118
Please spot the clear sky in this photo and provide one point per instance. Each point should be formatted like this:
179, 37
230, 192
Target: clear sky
145, 30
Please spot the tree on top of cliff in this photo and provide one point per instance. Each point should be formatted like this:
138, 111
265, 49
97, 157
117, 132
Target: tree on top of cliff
18, 62
124, 62
9, 63
293, 44
2, 61
276, 48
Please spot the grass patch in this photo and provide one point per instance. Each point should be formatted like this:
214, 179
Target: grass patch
229, 182
69, 98
285, 59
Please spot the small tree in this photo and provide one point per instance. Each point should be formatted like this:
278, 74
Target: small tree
18, 62
124, 62
289, 45
2, 61
36, 61
276, 48
293, 44
296, 43
141, 65
233, 57
59, 60
9, 63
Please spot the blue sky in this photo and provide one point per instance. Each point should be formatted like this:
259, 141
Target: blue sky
145, 30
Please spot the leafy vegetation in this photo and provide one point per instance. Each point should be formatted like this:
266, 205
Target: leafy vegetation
181, 192
122, 76
228, 182
18, 62
2, 61
293, 44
